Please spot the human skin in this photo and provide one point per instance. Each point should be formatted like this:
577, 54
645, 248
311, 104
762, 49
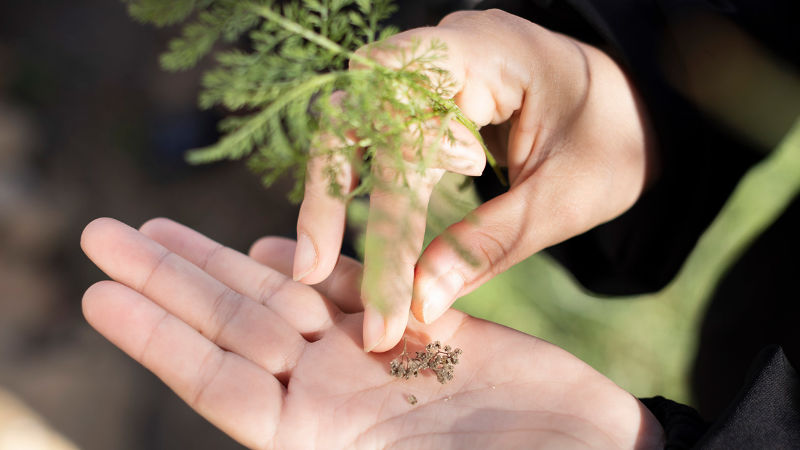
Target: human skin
278, 364
570, 129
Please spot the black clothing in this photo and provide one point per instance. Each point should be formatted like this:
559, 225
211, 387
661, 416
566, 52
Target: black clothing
765, 412
683, 426
702, 159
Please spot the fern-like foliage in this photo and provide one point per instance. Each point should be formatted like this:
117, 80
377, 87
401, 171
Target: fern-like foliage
281, 75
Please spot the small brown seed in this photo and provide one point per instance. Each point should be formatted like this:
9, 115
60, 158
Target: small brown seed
440, 360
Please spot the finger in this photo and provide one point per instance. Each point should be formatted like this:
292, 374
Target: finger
278, 253
302, 308
320, 223
497, 235
342, 287
231, 392
464, 153
394, 236
453, 147
458, 151
398, 51
221, 314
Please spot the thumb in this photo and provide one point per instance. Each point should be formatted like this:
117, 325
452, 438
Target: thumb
494, 237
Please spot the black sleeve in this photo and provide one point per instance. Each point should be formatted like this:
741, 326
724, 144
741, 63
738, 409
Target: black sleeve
765, 414
701, 160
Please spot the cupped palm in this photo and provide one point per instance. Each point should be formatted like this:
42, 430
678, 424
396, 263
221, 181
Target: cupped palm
277, 364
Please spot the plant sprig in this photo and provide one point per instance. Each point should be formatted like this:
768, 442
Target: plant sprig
282, 86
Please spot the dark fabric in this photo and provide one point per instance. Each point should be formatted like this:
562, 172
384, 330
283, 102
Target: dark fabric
682, 424
701, 161
766, 413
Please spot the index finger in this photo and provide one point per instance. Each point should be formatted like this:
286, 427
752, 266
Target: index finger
394, 237
321, 221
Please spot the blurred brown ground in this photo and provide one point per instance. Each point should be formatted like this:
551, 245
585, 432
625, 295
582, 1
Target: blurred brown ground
89, 127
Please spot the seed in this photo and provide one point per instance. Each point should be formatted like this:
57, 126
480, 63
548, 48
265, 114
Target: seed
435, 358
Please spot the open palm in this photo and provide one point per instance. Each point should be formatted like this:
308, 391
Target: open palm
278, 364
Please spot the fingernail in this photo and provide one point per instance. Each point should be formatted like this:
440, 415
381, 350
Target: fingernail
305, 257
374, 328
441, 294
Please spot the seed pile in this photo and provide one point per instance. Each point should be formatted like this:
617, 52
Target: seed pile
440, 360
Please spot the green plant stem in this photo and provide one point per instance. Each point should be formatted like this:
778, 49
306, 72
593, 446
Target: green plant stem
311, 36
464, 120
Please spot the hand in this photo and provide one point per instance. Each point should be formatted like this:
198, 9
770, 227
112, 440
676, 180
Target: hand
276, 364
572, 135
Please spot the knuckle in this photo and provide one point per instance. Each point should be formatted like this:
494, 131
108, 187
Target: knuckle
495, 13
269, 288
216, 250
457, 16
210, 367
468, 19
157, 268
386, 171
377, 53
224, 309
324, 171
572, 217
494, 252
314, 194
152, 338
